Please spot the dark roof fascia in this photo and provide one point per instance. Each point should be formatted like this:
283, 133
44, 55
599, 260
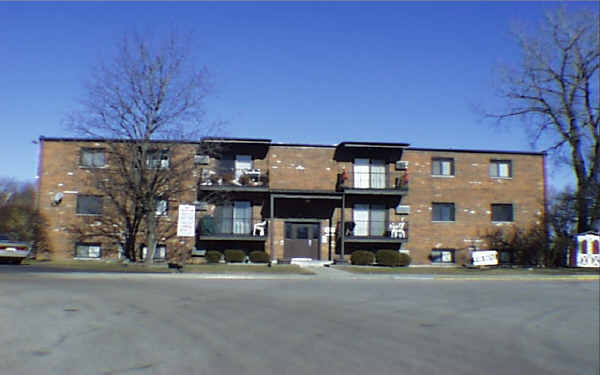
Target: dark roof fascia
304, 192
477, 151
302, 145
67, 139
236, 140
374, 144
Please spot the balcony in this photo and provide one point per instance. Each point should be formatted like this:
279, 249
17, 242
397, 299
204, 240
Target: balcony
228, 228
375, 231
373, 183
233, 179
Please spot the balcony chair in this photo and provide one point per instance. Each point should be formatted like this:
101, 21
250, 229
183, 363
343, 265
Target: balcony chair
260, 228
397, 229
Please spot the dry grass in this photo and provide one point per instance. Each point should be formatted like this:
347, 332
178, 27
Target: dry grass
468, 271
112, 266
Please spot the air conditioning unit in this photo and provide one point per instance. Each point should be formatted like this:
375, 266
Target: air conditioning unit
201, 159
199, 252
401, 165
201, 205
402, 209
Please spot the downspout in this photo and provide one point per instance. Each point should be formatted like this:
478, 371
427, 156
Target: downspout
271, 225
343, 229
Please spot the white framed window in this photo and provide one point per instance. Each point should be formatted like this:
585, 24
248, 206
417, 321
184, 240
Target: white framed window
162, 206
160, 253
88, 250
442, 256
369, 174
369, 219
158, 159
234, 217
442, 167
92, 157
501, 168
89, 205
242, 163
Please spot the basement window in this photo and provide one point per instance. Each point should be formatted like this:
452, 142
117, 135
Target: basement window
88, 250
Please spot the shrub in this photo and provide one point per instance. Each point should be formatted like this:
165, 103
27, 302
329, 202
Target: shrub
213, 256
388, 258
362, 258
234, 256
405, 259
259, 257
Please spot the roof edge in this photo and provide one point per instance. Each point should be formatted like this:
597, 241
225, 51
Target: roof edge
477, 151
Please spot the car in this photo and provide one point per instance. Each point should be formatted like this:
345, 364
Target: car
12, 251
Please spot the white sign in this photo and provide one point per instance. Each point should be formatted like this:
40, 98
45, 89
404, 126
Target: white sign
186, 221
588, 260
485, 258
588, 250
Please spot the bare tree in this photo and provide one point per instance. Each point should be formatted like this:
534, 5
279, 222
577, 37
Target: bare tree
19, 217
146, 104
554, 89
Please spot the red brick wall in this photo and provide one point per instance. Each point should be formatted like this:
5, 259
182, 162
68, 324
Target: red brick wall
60, 172
296, 167
473, 191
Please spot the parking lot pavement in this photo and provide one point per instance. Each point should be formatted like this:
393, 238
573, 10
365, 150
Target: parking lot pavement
95, 324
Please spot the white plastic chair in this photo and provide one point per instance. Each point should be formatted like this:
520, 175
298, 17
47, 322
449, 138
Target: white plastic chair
397, 229
260, 228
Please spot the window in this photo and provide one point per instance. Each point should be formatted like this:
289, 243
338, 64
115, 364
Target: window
442, 256
242, 163
369, 174
369, 219
443, 212
442, 167
160, 253
162, 206
89, 205
92, 157
87, 250
501, 168
158, 159
502, 212
234, 218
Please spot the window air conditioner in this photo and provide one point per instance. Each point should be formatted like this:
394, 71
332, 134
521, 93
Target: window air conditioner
201, 159
401, 165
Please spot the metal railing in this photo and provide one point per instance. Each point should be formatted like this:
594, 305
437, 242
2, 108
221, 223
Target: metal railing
372, 180
375, 228
233, 177
215, 225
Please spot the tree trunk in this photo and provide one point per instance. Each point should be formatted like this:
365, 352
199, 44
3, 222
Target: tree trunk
150, 237
582, 208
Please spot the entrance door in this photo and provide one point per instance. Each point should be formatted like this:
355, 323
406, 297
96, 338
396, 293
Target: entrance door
302, 240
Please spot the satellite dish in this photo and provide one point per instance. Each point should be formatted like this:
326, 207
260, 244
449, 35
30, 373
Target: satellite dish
57, 198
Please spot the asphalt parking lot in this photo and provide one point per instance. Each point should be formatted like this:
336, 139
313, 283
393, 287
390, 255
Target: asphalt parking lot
99, 324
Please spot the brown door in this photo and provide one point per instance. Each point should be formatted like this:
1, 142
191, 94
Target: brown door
302, 240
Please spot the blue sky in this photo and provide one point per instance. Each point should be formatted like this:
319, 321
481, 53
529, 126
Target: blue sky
303, 72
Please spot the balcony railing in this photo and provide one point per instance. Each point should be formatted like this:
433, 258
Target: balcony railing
375, 229
229, 226
372, 181
234, 177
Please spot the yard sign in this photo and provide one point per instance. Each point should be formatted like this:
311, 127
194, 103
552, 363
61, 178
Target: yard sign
186, 222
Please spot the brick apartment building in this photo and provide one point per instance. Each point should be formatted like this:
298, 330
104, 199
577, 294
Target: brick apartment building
312, 201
